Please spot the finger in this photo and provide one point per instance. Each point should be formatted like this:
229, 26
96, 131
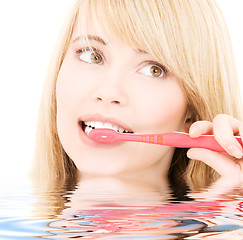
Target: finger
241, 131
224, 128
222, 120
221, 163
200, 127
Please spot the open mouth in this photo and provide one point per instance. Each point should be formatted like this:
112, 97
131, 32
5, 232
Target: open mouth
88, 126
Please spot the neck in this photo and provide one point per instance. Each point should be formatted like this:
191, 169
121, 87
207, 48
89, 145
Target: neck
154, 176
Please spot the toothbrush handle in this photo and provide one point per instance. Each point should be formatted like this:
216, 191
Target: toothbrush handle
183, 140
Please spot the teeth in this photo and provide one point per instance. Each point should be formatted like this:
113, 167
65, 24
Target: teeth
87, 130
121, 129
98, 125
88, 123
108, 125
92, 125
115, 127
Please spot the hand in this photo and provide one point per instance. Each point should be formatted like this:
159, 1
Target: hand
223, 127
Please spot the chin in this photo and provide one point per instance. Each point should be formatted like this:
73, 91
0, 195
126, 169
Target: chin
101, 169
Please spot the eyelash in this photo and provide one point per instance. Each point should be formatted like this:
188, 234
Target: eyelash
93, 49
81, 50
146, 63
156, 64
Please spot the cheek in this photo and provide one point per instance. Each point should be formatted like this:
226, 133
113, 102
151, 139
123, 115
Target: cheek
68, 97
74, 83
163, 108
68, 86
65, 102
64, 109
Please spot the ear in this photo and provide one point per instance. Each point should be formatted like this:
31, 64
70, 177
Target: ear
187, 125
187, 122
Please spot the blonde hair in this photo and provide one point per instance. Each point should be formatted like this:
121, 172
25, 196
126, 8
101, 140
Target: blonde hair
189, 37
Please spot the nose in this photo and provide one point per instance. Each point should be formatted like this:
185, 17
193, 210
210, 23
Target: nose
111, 100
111, 91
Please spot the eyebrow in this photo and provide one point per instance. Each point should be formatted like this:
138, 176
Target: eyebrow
103, 42
141, 51
92, 38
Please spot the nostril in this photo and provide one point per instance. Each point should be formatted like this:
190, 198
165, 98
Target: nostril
100, 99
115, 101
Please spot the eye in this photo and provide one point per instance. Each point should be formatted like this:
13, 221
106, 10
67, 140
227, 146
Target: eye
90, 56
153, 70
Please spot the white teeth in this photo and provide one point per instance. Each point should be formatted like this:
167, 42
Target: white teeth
98, 125
120, 129
88, 123
115, 127
108, 125
87, 130
93, 124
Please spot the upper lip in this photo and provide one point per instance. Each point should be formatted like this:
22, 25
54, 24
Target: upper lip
100, 118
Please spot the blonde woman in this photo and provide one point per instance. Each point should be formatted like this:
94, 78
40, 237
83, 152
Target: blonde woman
143, 66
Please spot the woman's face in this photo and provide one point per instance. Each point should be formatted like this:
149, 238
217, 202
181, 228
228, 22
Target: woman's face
113, 85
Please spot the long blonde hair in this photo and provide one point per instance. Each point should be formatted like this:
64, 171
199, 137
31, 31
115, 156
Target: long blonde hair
189, 37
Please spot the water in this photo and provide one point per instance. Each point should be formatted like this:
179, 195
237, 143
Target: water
106, 209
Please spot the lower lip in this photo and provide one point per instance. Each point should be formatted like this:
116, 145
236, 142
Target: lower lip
86, 140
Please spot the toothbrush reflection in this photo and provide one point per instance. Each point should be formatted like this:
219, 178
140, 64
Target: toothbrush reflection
113, 208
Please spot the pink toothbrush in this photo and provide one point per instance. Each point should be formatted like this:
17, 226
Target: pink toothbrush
173, 139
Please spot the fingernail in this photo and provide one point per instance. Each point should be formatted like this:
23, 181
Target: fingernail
235, 151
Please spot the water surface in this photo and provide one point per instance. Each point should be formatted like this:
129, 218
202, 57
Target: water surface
113, 212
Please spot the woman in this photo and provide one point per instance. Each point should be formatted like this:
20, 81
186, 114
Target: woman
141, 66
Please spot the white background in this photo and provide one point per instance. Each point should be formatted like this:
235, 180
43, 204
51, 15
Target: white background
28, 31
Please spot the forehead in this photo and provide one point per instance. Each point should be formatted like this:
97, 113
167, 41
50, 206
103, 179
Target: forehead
94, 30
113, 21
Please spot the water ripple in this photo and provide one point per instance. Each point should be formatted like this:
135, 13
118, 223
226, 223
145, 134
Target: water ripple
23, 228
106, 219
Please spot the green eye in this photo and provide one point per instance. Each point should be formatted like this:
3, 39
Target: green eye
90, 56
152, 70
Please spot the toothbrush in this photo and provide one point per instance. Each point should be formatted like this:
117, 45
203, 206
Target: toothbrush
173, 139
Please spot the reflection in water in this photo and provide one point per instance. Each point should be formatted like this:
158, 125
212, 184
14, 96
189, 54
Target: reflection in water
116, 211
122, 223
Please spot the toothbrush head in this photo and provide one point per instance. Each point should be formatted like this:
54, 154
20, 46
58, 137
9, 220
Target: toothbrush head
103, 135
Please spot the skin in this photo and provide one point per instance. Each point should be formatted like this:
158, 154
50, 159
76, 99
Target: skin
121, 90
224, 127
